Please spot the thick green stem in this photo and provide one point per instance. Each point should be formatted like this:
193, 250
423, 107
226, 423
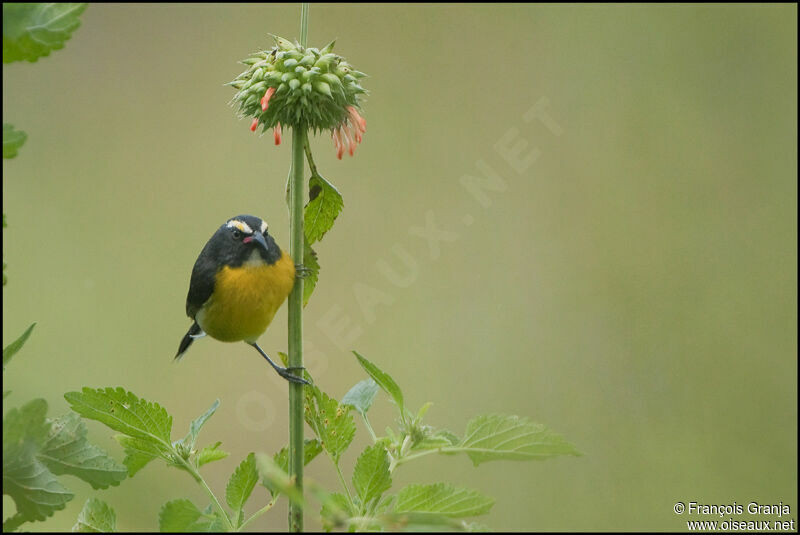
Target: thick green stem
296, 188
296, 191
296, 326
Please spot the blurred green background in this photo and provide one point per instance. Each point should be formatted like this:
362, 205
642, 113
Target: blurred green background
634, 287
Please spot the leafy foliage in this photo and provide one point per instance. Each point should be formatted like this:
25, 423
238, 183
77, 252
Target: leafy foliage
384, 380
371, 476
330, 420
361, 396
124, 412
442, 498
11, 349
311, 263
37, 449
324, 205
96, 517
31, 31
179, 516
13, 139
35, 490
211, 454
67, 451
492, 436
241, 485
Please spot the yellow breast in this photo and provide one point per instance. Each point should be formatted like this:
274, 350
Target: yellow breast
246, 298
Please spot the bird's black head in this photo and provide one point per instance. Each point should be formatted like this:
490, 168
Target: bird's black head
242, 239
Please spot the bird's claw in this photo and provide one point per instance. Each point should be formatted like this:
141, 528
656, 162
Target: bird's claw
289, 376
301, 271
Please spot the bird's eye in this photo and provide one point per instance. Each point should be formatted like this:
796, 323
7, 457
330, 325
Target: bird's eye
237, 234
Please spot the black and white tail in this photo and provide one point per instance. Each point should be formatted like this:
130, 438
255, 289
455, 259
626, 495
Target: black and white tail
194, 332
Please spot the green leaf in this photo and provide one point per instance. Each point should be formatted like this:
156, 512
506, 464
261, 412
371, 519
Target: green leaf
277, 480
12, 141
361, 396
442, 498
371, 475
384, 381
325, 203
311, 263
241, 485
311, 448
31, 31
441, 438
211, 454
67, 451
335, 511
96, 517
139, 452
331, 421
197, 424
28, 423
179, 516
124, 412
419, 522
493, 436
11, 349
35, 490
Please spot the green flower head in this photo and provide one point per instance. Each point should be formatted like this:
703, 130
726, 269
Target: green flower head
302, 87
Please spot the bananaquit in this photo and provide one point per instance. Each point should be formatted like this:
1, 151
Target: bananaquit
238, 283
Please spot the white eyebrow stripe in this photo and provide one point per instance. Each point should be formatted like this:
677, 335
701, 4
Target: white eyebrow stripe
241, 225
263, 227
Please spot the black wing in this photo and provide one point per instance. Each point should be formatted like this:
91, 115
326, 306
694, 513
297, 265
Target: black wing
202, 283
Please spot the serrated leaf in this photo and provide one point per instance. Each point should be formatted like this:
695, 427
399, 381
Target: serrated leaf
178, 516
96, 517
210, 454
495, 436
197, 424
35, 490
241, 485
13, 139
28, 423
124, 412
31, 31
311, 263
324, 205
331, 421
361, 396
384, 380
139, 452
67, 451
442, 498
371, 476
11, 349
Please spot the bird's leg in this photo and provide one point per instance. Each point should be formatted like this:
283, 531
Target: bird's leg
283, 372
301, 271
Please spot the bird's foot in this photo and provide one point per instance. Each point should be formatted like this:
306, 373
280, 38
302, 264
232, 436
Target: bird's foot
301, 271
287, 374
